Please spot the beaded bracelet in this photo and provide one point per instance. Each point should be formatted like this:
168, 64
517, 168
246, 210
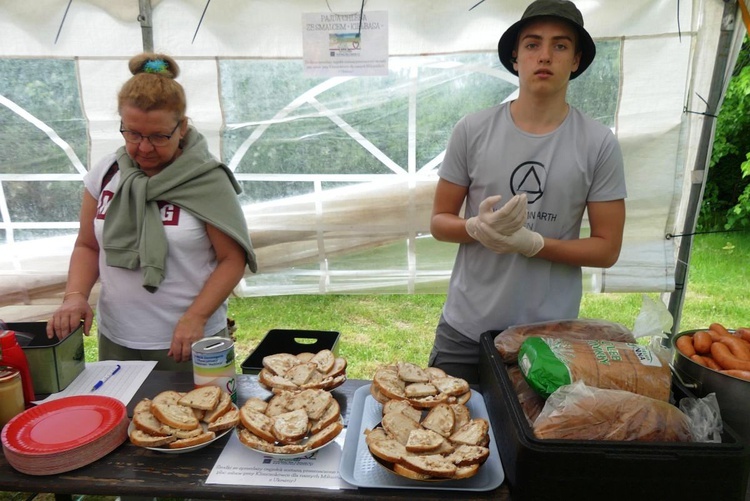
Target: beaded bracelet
71, 293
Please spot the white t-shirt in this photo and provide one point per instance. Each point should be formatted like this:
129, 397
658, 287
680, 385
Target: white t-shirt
560, 172
127, 313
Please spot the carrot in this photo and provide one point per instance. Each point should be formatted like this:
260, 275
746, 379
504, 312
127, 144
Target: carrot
737, 373
702, 342
724, 357
684, 343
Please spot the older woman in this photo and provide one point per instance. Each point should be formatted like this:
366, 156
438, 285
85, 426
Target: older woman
161, 228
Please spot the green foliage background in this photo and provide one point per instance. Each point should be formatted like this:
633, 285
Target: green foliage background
726, 199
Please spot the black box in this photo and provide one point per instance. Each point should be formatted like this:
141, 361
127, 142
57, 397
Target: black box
289, 341
539, 470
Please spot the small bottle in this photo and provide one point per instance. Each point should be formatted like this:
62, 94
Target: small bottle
11, 354
11, 394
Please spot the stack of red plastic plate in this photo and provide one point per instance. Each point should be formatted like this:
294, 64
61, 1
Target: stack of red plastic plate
64, 434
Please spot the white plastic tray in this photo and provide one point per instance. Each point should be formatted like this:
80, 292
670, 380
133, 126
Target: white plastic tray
359, 468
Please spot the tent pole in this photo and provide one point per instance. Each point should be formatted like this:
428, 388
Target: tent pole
702, 161
147, 32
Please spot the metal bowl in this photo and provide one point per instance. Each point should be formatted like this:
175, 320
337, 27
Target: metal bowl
733, 394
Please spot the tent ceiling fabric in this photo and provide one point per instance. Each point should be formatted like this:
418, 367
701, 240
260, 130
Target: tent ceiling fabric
667, 60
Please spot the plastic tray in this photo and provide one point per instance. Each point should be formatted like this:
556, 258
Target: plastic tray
359, 468
595, 470
289, 341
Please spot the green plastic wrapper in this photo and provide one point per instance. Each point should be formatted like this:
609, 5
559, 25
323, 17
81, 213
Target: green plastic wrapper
543, 370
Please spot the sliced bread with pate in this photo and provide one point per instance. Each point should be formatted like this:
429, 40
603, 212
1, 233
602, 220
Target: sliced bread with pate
223, 406
441, 419
324, 436
291, 427
143, 439
412, 373
205, 398
399, 426
175, 415
229, 419
422, 440
259, 424
325, 360
279, 363
192, 441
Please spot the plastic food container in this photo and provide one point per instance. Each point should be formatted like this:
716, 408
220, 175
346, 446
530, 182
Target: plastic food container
594, 470
289, 341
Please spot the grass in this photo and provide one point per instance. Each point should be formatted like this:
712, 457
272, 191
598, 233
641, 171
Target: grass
381, 328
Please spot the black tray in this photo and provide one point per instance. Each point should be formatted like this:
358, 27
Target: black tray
289, 341
605, 470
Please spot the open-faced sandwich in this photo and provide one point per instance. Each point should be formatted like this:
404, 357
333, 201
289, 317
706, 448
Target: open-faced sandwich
444, 443
290, 422
174, 420
286, 372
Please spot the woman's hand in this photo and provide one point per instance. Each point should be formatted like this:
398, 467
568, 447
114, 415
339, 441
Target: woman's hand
188, 331
67, 318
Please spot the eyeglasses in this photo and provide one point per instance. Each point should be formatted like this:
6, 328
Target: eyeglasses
155, 139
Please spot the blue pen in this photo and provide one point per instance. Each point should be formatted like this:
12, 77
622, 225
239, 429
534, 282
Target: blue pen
105, 378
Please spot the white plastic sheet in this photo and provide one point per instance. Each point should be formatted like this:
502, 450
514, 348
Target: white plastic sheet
351, 231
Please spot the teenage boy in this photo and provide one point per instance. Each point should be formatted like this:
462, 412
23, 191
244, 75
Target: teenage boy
520, 262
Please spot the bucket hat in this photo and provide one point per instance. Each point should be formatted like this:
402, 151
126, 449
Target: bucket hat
561, 9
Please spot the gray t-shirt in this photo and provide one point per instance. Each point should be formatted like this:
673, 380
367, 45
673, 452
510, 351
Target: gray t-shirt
560, 172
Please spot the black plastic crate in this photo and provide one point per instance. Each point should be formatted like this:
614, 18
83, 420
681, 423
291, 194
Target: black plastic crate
538, 469
289, 341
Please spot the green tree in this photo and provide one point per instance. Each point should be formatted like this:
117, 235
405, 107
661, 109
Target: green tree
726, 200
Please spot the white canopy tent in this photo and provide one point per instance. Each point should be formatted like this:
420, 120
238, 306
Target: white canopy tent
353, 214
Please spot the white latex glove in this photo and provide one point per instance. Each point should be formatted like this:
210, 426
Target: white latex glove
523, 241
509, 219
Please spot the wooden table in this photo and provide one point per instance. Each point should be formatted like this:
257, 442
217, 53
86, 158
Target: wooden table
135, 471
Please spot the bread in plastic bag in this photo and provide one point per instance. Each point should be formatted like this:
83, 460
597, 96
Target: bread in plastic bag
548, 363
531, 402
581, 412
509, 341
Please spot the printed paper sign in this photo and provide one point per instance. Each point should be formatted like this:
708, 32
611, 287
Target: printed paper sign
340, 45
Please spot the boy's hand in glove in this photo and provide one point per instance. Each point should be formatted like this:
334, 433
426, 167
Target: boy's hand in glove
504, 233
524, 241
507, 220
